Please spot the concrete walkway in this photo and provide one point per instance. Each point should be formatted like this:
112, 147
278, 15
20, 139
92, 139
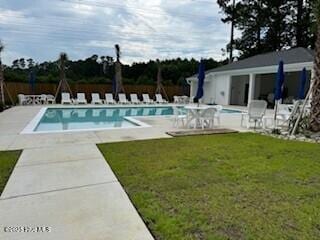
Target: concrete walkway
71, 190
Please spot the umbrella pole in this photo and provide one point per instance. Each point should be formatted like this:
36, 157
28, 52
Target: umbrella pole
275, 115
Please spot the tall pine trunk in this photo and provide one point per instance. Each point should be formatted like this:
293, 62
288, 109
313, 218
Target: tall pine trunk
315, 103
299, 24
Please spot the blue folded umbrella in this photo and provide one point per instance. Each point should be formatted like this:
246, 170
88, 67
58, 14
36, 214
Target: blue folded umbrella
302, 85
279, 82
201, 77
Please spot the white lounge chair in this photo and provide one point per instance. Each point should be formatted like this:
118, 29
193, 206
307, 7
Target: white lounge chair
95, 98
178, 117
65, 98
159, 99
146, 99
109, 99
256, 111
123, 99
22, 99
81, 99
134, 98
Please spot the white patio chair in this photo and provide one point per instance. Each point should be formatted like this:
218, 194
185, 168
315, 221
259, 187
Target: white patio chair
109, 99
176, 99
81, 99
95, 98
285, 113
256, 111
207, 118
284, 110
178, 117
134, 98
65, 98
43, 99
217, 115
123, 99
51, 99
159, 99
22, 99
146, 99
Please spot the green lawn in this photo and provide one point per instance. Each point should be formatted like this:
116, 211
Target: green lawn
8, 160
237, 186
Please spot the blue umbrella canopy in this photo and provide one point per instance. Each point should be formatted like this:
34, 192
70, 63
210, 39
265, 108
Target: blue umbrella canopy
302, 86
279, 82
201, 77
32, 81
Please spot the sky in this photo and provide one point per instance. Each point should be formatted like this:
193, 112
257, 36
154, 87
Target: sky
144, 29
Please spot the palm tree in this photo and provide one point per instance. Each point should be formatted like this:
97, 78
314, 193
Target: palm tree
63, 84
3, 87
62, 67
160, 88
315, 103
118, 71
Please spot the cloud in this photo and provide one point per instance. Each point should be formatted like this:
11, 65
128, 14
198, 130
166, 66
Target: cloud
144, 29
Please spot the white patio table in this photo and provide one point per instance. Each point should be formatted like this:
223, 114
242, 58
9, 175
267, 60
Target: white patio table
33, 99
194, 113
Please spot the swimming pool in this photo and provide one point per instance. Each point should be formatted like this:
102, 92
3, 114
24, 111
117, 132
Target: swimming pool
95, 118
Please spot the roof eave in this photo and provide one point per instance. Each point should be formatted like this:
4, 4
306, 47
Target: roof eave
266, 69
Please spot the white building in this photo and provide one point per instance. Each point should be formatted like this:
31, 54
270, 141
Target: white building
254, 78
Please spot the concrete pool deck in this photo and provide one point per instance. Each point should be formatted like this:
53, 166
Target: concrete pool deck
63, 182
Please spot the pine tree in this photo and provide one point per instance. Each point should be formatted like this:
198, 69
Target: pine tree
270, 25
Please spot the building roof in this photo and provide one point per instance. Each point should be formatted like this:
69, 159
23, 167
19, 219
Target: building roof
291, 56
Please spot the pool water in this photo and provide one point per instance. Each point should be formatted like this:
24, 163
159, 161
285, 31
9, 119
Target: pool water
66, 119
60, 119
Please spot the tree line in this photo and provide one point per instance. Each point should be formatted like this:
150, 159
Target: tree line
265, 26
100, 69
270, 25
